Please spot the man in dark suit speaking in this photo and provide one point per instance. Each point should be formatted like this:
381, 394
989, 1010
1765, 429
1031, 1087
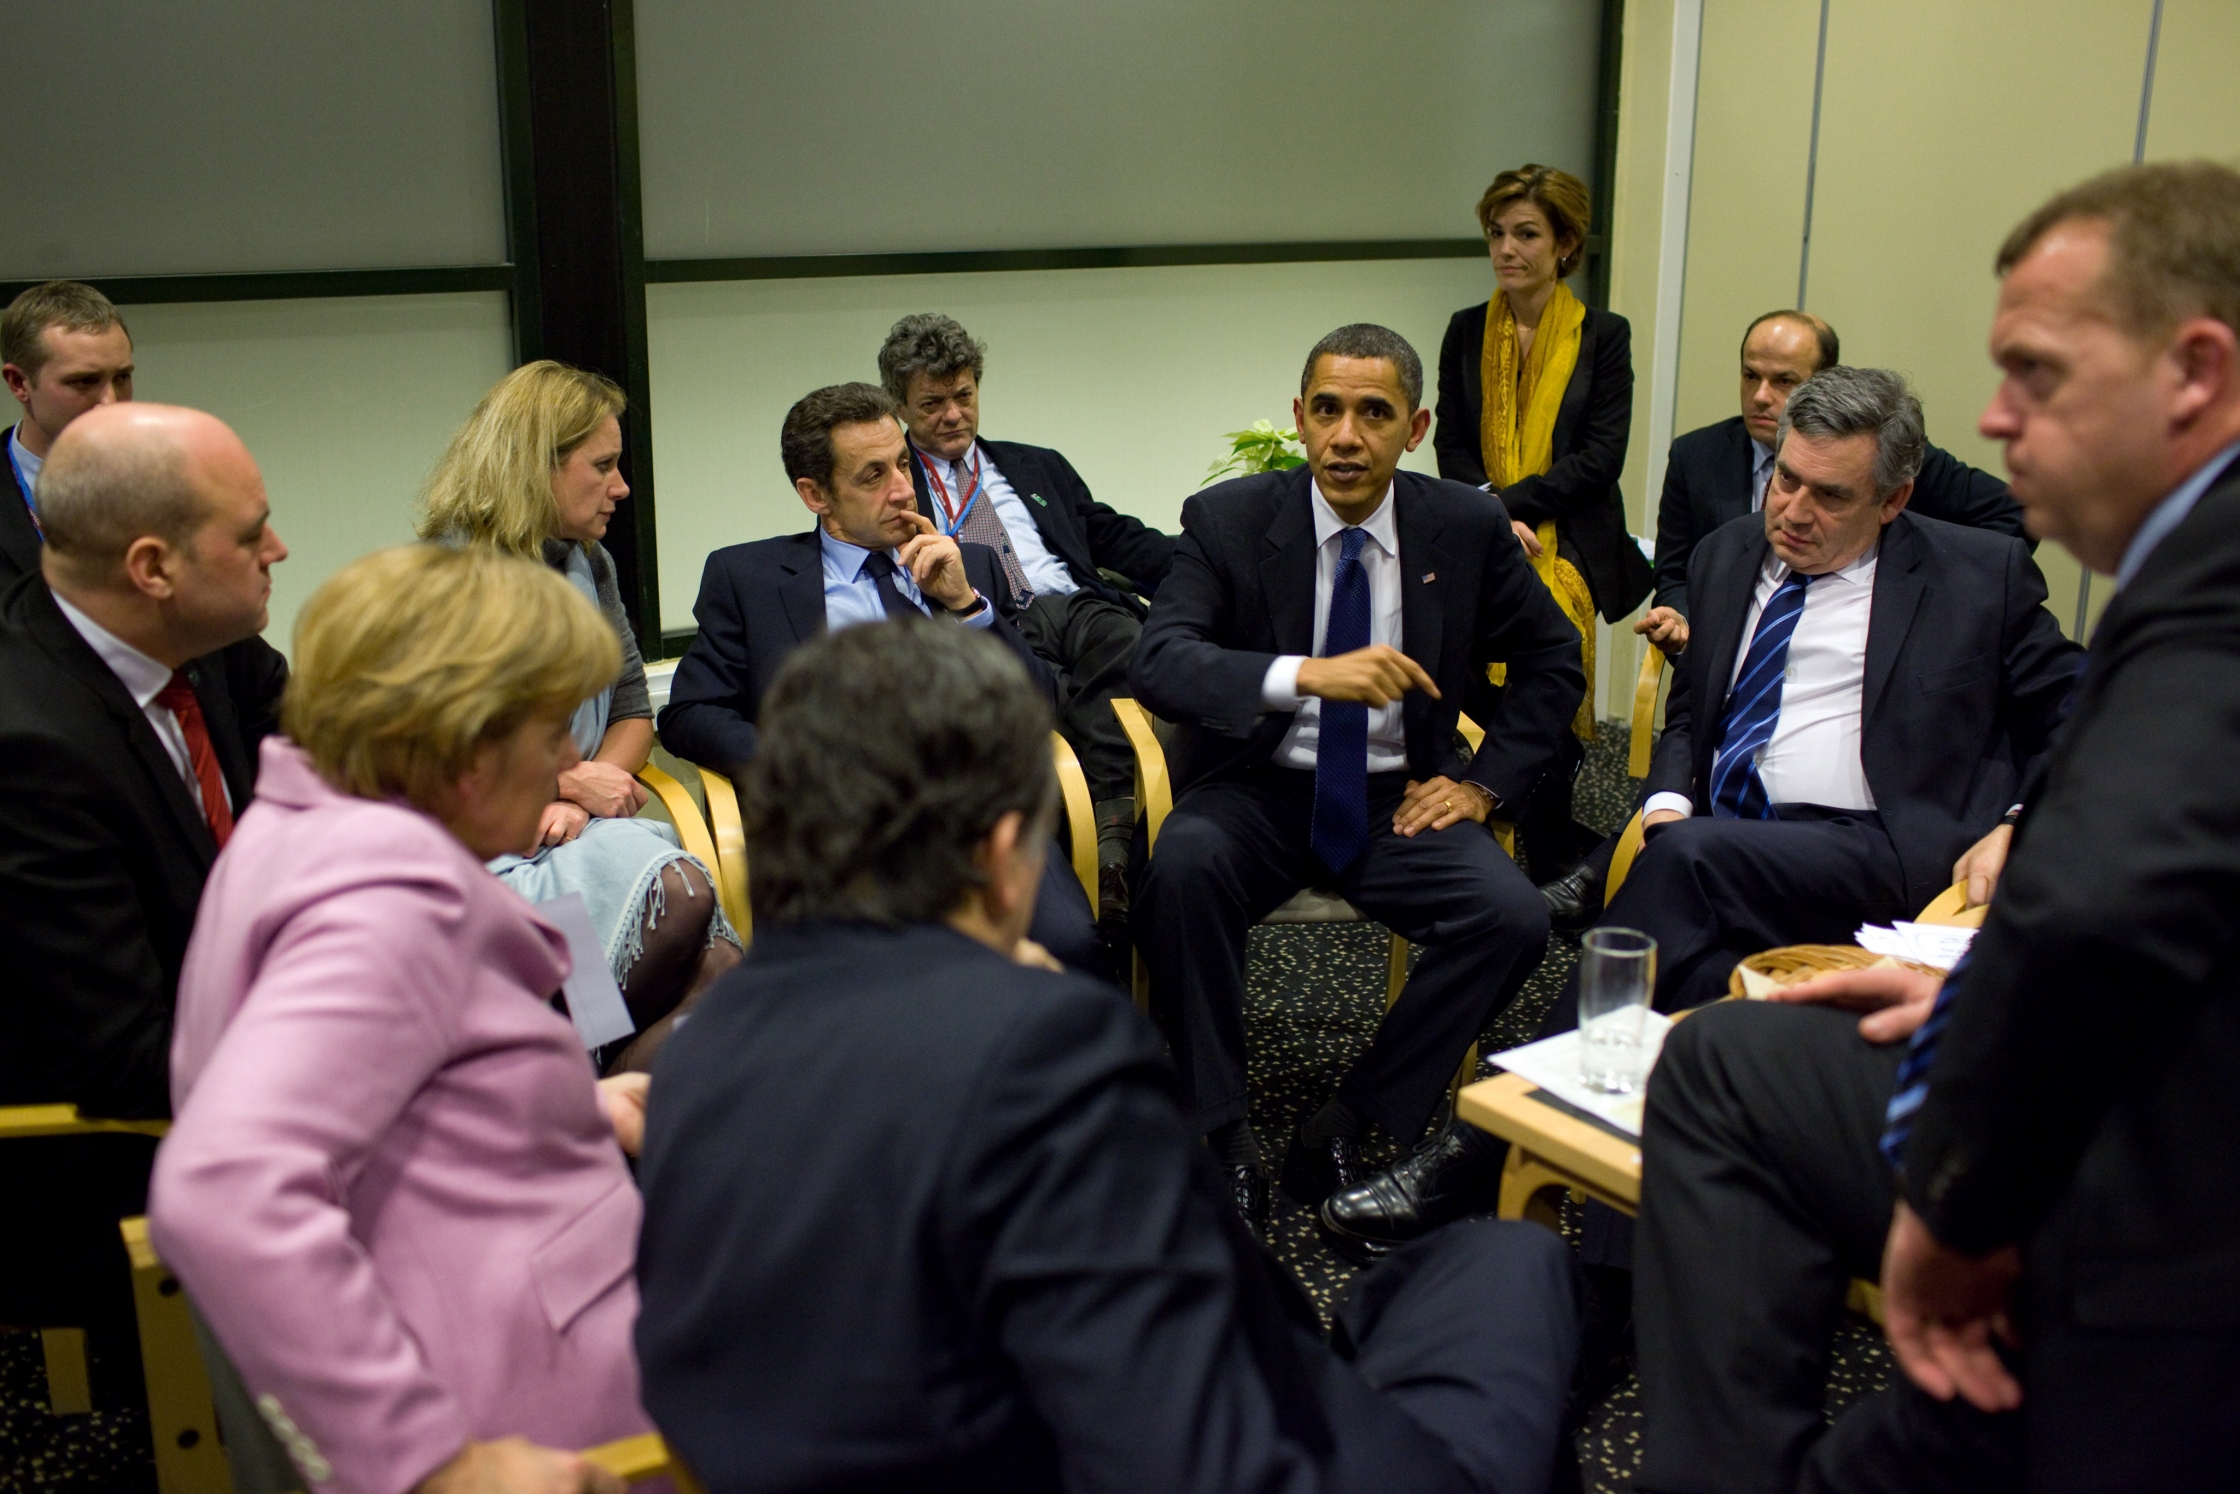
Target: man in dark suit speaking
1053, 540
133, 693
1312, 642
921, 1217
871, 556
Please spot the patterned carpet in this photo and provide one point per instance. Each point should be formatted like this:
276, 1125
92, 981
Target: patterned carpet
1315, 994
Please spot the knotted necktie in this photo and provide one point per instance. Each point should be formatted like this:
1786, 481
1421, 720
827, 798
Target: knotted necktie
981, 524
880, 565
179, 699
1754, 707
1341, 752
1912, 1084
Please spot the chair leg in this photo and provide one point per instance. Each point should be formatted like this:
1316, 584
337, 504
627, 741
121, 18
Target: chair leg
1524, 1186
1395, 971
69, 1384
182, 1420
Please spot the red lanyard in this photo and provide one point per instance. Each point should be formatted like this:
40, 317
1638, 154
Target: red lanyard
970, 496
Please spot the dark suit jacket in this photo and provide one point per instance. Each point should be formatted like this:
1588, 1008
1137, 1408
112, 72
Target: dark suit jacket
1580, 488
103, 852
2086, 1095
1080, 531
1967, 675
981, 1253
19, 537
1707, 483
1242, 592
759, 602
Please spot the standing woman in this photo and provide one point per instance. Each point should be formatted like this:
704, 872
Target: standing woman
1535, 402
535, 472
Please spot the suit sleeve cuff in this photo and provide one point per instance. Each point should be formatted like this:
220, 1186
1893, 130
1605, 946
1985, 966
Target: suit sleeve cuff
984, 618
1279, 687
1667, 800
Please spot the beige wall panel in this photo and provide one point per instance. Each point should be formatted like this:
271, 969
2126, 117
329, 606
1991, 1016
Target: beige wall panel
1133, 374
1746, 195
345, 404
1937, 134
1637, 215
2194, 113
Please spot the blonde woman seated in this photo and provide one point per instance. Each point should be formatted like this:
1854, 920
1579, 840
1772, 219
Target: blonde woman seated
534, 473
393, 1188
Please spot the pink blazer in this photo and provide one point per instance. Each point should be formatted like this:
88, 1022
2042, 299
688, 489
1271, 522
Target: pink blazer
391, 1189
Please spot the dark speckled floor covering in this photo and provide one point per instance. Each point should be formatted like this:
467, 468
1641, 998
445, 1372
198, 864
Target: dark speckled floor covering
1315, 995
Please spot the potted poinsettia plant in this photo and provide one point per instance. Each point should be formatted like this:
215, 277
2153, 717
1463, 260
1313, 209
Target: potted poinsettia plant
1259, 447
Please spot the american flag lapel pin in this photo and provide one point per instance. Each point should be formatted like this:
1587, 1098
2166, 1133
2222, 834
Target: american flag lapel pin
1429, 577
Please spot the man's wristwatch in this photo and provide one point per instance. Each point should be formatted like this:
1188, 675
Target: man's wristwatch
970, 610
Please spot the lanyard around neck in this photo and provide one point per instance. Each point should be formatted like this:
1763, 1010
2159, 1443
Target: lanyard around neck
956, 512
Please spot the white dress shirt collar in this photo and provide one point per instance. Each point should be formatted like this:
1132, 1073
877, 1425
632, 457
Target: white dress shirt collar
1380, 525
27, 463
143, 678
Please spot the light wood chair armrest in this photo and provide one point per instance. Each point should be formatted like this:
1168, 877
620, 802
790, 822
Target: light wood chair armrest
1154, 794
1645, 710
1621, 860
189, 1457
730, 833
1504, 832
19, 1122
692, 829
1950, 907
1081, 816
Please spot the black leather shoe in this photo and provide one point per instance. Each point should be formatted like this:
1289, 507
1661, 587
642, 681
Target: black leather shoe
1313, 1170
1574, 899
1248, 1186
1453, 1172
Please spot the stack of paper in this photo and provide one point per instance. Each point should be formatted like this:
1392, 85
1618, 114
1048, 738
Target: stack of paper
1553, 1064
1924, 943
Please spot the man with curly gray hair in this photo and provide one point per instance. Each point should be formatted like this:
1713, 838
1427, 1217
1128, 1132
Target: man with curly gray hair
1077, 568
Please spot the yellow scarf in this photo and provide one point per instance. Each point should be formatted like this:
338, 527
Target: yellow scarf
1516, 436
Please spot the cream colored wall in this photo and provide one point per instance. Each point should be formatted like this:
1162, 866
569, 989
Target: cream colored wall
345, 404
1134, 374
1941, 126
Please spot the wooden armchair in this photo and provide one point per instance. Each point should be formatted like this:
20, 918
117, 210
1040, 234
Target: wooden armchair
1155, 800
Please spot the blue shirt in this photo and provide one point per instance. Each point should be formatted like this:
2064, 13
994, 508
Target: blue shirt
851, 596
2170, 513
1045, 572
27, 468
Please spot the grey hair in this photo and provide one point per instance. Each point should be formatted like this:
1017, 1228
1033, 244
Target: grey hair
1368, 340
929, 343
1847, 401
98, 495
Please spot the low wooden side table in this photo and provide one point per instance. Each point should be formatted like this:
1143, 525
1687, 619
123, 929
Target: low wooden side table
1555, 1145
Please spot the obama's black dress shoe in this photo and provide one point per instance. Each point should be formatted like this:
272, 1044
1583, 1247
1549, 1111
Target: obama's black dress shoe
1248, 1188
1574, 899
1453, 1172
1315, 1169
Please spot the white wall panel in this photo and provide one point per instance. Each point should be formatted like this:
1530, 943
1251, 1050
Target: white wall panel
859, 126
1133, 374
227, 136
345, 404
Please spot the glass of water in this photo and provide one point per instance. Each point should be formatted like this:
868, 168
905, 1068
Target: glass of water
1617, 973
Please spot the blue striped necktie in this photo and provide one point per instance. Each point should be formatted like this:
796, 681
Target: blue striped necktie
1912, 1084
1754, 708
1341, 749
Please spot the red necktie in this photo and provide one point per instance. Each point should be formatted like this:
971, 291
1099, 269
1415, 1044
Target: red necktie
178, 698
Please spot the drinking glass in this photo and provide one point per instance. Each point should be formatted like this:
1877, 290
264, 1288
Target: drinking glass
1617, 971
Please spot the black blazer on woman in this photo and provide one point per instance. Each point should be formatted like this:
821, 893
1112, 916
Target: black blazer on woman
1580, 488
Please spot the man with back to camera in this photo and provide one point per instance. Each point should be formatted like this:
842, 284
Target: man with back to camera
1865, 693
2055, 1243
921, 1217
63, 351
1053, 539
1719, 473
1312, 643
870, 556
133, 694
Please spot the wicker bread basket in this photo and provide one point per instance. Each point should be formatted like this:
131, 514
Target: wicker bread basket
1795, 962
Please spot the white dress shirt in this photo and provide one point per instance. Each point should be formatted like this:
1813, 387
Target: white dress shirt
1045, 572
143, 679
851, 594
1813, 757
1279, 688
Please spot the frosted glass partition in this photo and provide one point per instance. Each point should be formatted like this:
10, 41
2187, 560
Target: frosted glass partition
345, 404
856, 126
1133, 374
229, 136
